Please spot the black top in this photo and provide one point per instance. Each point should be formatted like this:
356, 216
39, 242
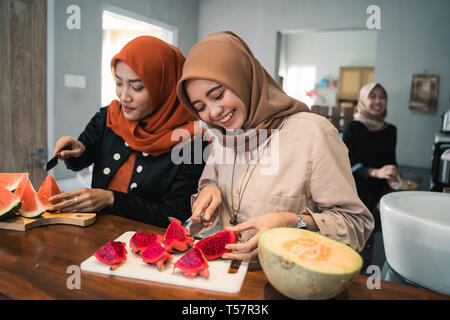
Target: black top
370, 150
159, 188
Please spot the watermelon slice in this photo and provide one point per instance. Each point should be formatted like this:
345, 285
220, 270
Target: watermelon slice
48, 189
9, 204
31, 206
10, 181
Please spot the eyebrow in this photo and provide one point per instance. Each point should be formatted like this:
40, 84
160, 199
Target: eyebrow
207, 93
133, 80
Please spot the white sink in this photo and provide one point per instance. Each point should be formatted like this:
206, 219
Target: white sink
416, 236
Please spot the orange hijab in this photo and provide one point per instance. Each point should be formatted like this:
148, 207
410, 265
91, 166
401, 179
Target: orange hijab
159, 66
225, 58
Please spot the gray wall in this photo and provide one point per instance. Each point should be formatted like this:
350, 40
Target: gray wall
79, 52
413, 39
328, 51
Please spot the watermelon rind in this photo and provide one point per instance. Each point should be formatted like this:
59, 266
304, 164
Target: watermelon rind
33, 214
10, 211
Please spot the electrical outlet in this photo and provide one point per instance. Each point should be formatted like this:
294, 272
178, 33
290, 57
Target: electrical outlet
74, 81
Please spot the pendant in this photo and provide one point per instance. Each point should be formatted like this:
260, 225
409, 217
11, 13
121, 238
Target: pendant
233, 220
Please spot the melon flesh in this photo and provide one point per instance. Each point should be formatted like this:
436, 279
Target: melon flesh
31, 206
306, 265
11, 180
9, 204
48, 189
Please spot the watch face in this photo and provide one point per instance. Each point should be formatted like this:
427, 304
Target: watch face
301, 223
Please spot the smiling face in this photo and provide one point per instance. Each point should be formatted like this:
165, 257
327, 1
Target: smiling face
134, 97
377, 101
216, 104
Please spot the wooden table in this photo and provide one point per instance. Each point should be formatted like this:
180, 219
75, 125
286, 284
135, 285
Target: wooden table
34, 264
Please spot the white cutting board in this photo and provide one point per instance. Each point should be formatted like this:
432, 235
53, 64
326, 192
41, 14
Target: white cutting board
219, 278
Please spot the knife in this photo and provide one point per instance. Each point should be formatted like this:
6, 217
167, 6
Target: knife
54, 161
196, 226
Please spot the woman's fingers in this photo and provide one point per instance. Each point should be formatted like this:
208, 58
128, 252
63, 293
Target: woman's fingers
70, 200
247, 256
75, 148
249, 224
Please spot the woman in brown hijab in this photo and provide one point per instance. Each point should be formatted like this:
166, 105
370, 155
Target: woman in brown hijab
371, 142
272, 163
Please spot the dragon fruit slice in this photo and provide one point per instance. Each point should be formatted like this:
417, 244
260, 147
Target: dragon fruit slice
213, 246
156, 254
192, 263
140, 241
113, 253
177, 237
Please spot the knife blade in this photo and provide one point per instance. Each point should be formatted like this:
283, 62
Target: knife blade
195, 228
54, 161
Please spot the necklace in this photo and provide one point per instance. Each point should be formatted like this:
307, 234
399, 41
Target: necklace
234, 214
240, 190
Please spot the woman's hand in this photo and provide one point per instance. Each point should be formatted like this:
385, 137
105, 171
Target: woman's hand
388, 171
76, 148
83, 200
207, 201
248, 250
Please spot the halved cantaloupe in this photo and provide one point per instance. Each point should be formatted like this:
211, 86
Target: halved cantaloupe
303, 264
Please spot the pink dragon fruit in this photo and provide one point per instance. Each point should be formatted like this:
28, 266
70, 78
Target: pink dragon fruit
177, 237
140, 241
113, 253
213, 246
156, 254
192, 263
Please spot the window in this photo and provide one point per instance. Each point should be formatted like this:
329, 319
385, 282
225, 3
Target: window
299, 82
118, 30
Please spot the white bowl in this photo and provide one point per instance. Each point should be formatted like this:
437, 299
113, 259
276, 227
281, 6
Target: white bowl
416, 236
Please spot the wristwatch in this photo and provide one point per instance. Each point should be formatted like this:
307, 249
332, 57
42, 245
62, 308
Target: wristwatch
301, 224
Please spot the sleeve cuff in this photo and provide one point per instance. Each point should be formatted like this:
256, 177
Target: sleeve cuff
319, 220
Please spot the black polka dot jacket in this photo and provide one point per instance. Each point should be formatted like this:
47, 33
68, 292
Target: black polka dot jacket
159, 187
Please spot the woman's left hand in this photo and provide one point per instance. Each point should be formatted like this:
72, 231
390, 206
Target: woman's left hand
248, 250
83, 200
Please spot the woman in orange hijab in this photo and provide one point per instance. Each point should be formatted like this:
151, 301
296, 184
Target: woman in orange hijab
132, 141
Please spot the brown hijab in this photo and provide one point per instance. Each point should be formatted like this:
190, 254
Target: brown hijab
372, 122
225, 58
159, 65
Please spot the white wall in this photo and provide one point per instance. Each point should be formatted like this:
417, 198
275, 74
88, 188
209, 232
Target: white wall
414, 38
79, 52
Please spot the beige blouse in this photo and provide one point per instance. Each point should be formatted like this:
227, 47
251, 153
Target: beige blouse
304, 166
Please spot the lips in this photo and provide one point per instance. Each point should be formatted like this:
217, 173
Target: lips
227, 119
127, 109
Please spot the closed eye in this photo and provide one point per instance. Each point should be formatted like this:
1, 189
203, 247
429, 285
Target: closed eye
220, 96
201, 109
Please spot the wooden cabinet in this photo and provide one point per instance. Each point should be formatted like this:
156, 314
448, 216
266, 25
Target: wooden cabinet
351, 79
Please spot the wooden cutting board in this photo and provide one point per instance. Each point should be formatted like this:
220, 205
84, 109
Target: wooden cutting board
219, 277
22, 224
